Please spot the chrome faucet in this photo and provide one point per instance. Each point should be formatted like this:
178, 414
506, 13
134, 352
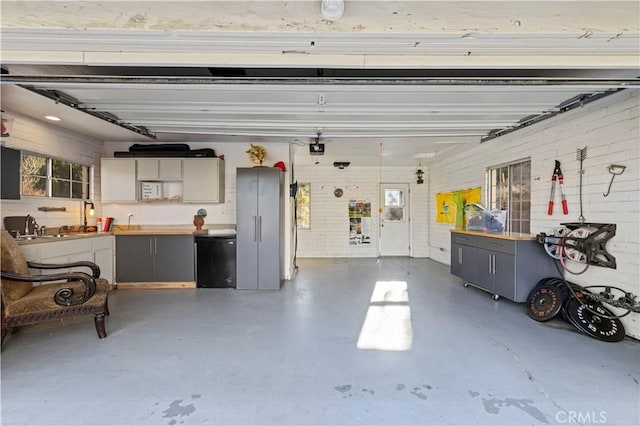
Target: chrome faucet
30, 222
27, 218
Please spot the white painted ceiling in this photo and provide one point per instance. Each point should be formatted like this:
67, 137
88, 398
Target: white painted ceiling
419, 77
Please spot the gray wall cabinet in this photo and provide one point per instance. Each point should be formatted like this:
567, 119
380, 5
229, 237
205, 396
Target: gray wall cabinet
10, 180
504, 267
260, 224
155, 258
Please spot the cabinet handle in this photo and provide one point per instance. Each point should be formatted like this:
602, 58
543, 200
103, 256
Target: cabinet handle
155, 245
460, 255
259, 228
490, 271
494, 263
150, 248
255, 228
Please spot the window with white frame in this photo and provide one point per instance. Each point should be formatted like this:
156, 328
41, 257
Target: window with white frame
509, 189
51, 177
303, 206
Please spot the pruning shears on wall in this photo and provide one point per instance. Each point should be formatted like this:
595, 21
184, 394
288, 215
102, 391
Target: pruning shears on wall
557, 177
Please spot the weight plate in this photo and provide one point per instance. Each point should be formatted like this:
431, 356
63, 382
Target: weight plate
596, 326
544, 303
538, 285
580, 293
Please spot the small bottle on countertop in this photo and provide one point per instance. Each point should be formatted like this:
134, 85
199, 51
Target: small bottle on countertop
99, 224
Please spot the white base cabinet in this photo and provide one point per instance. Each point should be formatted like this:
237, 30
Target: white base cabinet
97, 249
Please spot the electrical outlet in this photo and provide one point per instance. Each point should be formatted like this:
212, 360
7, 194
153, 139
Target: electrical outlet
130, 214
322, 98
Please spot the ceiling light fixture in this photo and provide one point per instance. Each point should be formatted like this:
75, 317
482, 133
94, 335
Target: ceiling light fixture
52, 118
425, 155
332, 10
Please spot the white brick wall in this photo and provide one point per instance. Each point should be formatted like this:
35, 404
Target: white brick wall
329, 233
609, 130
31, 135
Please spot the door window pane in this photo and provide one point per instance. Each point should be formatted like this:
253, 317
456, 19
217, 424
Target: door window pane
393, 197
394, 214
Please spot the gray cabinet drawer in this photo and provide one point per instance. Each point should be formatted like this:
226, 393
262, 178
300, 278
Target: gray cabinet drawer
497, 244
464, 239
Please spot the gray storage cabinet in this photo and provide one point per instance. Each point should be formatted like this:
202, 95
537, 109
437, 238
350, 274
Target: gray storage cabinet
463, 257
155, 258
259, 223
508, 268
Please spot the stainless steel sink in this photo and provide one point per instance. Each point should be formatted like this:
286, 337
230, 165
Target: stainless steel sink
26, 237
37, 237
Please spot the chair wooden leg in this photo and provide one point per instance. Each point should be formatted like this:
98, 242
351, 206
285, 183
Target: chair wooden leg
5, 333
99, 321
106, 308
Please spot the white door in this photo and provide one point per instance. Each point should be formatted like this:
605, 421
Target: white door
394, 220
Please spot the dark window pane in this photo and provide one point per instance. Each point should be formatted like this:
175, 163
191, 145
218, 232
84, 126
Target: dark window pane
34, 185
77, 172
76, 190
60, 188
60, 169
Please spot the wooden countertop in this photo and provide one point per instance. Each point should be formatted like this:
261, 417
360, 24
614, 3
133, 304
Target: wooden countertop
164, 229
153, 231
501, 235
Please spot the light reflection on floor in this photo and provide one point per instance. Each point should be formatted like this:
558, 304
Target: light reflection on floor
387, 325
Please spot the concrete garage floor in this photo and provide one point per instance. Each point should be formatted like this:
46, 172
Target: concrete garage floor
221, 356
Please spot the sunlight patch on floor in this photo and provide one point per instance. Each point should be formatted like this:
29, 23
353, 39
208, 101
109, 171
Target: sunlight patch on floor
387, 325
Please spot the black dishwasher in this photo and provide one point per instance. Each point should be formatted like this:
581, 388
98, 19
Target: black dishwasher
215, 261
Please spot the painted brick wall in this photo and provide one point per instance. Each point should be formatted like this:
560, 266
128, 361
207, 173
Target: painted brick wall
329, 233
609, 130
38, 137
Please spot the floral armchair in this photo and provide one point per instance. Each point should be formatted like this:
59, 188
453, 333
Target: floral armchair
67, 294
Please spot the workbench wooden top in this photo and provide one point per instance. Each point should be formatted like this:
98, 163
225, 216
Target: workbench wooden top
502, 235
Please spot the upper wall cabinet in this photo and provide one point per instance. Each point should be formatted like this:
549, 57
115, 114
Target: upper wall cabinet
188, 180
203, 180
159, 169
118, 180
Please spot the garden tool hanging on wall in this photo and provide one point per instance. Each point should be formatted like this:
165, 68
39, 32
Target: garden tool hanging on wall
557, 177
615, 170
